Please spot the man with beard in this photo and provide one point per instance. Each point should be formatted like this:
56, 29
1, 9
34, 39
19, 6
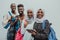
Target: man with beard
9, 21
23, 23
21, 12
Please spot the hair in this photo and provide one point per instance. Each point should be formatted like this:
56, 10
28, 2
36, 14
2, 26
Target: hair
12, 4
40, 9
20, 5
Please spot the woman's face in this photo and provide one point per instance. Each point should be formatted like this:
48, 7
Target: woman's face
40, 14
30, 13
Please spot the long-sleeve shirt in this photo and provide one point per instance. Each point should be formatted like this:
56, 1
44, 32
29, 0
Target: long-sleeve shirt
7, 17
42, 34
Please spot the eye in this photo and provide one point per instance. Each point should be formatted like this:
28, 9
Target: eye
41, 12
38, 12
29, 12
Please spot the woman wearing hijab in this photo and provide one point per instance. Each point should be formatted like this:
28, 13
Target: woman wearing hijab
30, 20
30, 16
42, 28
40, 33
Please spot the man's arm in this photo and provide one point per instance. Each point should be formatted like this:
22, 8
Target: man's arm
6, 18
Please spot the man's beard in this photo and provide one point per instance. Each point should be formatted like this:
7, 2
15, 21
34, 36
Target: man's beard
21, 12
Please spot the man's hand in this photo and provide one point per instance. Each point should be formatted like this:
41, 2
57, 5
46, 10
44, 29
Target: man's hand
9, 19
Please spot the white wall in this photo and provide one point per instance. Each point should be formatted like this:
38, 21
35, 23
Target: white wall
50, 7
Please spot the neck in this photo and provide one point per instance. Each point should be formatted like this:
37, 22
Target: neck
21, 17
14, 12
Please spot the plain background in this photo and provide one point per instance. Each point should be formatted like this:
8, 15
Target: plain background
51, 9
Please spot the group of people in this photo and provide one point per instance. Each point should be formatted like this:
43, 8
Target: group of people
27, 28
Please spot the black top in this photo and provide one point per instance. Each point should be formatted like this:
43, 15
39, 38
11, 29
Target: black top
42, 33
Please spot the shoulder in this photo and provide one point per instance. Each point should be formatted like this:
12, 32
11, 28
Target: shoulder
25, 23
46, 20
25, 18
6, 15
